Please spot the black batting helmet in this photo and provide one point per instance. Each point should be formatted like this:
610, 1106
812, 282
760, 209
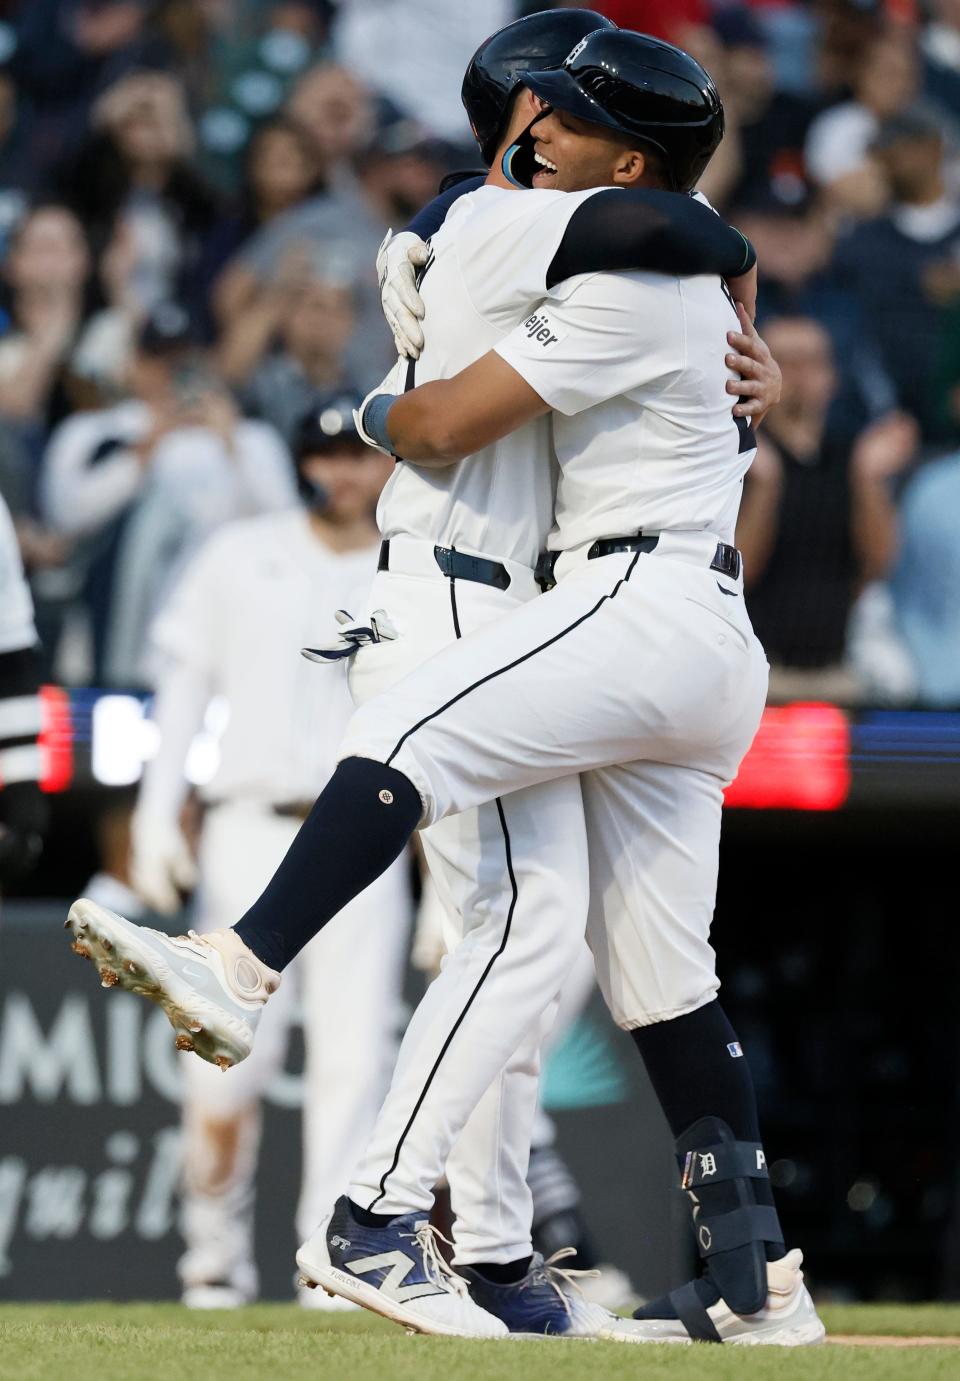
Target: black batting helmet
539, 42
643, 88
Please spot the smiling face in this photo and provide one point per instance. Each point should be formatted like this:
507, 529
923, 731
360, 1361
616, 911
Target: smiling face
575, 154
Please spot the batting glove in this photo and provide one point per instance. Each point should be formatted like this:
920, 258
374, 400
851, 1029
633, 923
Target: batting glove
398, 259
353, 636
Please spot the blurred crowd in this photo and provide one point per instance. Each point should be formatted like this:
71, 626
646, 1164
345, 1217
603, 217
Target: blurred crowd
192, 193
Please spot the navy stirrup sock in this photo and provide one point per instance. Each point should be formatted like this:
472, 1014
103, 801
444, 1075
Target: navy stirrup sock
359, 824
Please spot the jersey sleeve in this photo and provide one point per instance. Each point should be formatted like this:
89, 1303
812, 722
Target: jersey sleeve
644, 228
597, 338
429, 219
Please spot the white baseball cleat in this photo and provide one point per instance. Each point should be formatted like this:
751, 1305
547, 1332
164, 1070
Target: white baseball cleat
397, 1271
212, 987
789, 1318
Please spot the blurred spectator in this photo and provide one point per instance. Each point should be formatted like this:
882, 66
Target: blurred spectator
415, 52
70, 50
903, 266
343, 224
818, 521
46, 273
926, 585
885, 82
283, 169
308, 315
794, 237
940, 47
772, 124
847, 28
136, 166
137, 485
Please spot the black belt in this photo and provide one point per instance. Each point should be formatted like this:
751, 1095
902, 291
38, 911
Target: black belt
459, 565
726, 559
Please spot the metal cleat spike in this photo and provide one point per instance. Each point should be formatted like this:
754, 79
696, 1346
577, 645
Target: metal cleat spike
184, 1043
306, 1284
108, 979
80, 949
196, 1027
107, 946
131, 967
223, 1063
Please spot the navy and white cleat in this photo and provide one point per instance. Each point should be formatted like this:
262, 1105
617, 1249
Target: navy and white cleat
211, 987
396, 1271
547, 1301
788, 1319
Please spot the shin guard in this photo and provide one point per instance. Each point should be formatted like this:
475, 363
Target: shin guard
733, 1214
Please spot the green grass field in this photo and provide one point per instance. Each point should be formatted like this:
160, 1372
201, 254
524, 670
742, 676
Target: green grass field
153, 1342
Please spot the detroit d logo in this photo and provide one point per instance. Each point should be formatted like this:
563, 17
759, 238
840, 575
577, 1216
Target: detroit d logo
708, 1164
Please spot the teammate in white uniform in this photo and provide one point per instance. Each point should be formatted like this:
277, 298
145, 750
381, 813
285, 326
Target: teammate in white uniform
23, 813
255, 592
419, 1124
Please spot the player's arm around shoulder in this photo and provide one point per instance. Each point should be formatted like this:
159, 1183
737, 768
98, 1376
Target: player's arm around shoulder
440, 422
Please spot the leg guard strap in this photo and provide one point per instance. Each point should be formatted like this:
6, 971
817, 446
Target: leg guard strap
724, 1161
692, 1313
722, 1232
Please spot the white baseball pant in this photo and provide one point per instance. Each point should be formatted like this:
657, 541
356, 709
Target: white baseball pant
347, 988
641, 670
513, 874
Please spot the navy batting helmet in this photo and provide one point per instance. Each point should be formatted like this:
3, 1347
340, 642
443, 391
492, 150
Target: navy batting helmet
643, 88
539, 42
328, 425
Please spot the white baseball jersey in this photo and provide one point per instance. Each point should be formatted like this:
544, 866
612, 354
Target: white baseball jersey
633, 366
256, 593
16, 607
488, 269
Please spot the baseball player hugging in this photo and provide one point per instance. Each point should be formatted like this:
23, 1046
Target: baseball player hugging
563, 755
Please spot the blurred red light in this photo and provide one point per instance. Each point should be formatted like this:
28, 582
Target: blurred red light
800, 760
56, 739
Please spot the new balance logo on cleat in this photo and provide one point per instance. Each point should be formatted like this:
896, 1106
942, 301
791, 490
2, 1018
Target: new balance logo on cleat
397, 1270
392, 1284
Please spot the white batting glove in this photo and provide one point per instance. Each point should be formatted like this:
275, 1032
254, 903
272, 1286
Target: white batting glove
353, 636
398, 259
162, 866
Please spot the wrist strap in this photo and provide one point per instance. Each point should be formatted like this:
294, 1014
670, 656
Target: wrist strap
374, 419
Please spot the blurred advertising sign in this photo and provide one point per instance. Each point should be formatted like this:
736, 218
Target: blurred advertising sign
89, 1135
89, 1129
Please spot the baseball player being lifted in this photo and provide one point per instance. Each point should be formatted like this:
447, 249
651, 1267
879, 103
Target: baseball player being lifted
656, 671
254, 590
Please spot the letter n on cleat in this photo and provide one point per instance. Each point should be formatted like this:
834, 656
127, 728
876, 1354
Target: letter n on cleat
400, 1266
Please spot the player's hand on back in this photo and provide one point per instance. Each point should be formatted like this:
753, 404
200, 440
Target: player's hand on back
398, 259
758, 388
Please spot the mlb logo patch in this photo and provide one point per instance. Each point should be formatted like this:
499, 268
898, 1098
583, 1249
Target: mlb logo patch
734, 1050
